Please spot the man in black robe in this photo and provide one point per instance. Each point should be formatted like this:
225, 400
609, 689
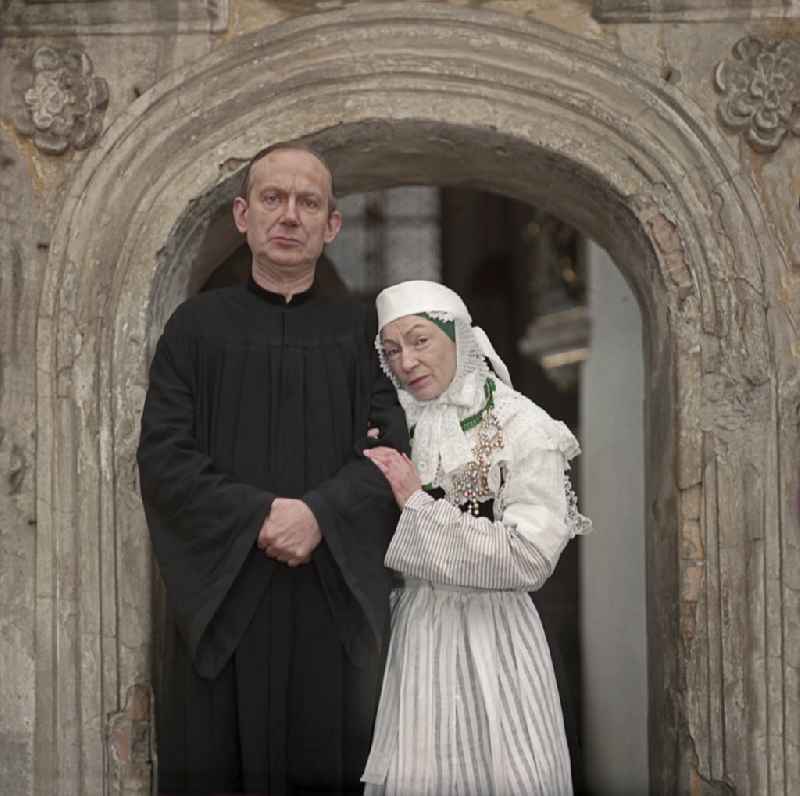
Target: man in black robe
268, 524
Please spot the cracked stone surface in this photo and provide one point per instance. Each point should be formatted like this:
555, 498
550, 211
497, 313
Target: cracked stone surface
612, 127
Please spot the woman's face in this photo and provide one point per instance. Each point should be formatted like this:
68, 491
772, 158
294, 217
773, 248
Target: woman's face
421, 356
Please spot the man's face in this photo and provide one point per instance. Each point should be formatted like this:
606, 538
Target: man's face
285, 218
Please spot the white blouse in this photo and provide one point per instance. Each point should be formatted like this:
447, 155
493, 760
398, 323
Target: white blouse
534, 511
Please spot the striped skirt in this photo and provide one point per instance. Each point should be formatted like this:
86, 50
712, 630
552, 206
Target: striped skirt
469, 703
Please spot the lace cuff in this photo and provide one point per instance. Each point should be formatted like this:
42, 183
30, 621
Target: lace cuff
577, 524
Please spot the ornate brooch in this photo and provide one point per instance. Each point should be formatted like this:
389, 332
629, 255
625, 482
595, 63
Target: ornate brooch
471, 483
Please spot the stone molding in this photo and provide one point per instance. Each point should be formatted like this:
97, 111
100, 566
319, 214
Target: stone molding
86, 17
693, 10
59, 101
414, 92
761, 91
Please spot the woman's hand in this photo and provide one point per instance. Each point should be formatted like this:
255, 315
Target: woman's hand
399, 471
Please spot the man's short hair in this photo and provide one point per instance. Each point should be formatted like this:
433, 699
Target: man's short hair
244, 190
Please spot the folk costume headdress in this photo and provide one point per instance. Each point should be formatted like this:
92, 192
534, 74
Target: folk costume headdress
439, 439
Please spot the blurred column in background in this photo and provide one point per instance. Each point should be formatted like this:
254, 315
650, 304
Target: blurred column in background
612, 561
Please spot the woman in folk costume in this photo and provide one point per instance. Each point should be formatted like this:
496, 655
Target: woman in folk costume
469, 704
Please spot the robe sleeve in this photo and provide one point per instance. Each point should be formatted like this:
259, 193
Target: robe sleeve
203, 523
357, 514
438, 542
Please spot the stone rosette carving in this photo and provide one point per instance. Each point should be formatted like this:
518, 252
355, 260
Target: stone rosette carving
761, 91
60, 102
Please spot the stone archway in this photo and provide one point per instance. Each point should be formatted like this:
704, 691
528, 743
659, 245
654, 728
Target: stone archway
407, 92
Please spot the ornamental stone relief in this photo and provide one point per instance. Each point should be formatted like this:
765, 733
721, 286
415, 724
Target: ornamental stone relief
761, 91
60, 102
90, 17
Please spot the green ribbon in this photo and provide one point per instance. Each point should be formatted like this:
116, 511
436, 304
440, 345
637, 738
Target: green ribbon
448, 327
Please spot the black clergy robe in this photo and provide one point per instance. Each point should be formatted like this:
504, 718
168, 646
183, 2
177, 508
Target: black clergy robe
272, 673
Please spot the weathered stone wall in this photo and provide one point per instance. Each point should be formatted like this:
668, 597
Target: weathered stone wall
682, 168
36, 165
20, 274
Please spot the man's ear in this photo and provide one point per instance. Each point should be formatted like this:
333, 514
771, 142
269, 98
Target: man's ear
240, 208
333, 226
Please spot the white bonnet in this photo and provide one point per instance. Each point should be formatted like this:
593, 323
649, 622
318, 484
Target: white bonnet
419, 295
416, 296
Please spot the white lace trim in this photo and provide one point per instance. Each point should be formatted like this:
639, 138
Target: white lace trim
543, 432
439, 441
441, 448
577, 524
439, 315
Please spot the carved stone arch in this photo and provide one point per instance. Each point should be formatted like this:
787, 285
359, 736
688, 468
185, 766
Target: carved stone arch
407, 92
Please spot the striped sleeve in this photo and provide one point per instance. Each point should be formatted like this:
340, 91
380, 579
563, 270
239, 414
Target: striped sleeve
438, 542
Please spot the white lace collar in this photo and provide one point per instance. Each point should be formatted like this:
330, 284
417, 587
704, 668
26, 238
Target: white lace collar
440, 445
